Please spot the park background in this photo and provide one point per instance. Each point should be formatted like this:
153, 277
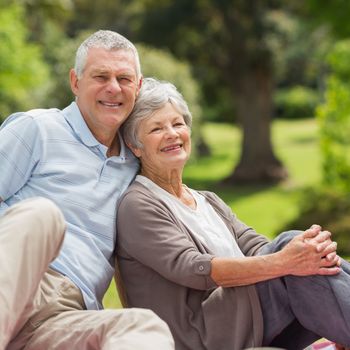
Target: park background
267, 81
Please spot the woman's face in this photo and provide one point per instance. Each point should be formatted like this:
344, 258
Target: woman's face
166, 141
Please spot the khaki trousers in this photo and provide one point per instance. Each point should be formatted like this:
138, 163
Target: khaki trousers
41, 309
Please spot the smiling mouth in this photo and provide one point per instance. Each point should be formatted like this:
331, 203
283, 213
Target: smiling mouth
110, 104
171, 148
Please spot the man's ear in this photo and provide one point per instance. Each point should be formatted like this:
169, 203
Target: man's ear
139, 85
73, 78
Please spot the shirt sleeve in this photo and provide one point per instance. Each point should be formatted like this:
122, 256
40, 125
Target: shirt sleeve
19, 150
148, 233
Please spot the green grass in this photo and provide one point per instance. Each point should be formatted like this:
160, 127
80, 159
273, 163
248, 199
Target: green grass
266, 208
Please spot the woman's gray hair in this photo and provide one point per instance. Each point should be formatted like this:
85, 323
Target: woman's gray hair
108, 40
154, 95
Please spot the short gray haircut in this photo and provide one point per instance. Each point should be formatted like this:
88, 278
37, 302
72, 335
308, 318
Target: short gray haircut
154, 95
108, 40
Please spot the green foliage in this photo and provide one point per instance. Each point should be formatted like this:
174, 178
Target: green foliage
24, 76
60, 53
296, 102
334, 13
162, 65
334, 117
330, 210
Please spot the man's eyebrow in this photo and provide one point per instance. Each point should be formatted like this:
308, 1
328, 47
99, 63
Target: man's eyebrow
99, 70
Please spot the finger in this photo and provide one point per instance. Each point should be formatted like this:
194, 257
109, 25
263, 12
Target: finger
310, 233
331, 256
330, 263
326, 248
322, 236
328, 271
316, 227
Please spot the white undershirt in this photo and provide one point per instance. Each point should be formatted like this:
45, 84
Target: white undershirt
203, 221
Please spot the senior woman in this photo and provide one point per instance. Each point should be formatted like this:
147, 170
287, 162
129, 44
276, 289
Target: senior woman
216, 282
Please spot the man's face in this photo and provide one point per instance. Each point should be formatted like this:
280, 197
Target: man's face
107, 89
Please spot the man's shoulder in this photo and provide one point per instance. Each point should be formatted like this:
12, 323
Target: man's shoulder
33, 115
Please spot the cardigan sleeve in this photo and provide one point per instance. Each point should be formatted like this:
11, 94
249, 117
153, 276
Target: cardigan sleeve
149, 233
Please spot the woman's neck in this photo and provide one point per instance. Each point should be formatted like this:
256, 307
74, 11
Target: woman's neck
172, 183
169, 181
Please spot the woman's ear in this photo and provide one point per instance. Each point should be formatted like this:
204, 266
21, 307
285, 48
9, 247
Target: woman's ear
134, 150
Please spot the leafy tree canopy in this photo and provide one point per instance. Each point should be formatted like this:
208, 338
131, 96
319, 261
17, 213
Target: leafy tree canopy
24, 75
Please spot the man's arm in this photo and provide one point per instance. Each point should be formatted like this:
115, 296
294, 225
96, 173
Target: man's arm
18, 148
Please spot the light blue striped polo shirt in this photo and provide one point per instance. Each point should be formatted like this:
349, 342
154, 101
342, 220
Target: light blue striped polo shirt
52, 153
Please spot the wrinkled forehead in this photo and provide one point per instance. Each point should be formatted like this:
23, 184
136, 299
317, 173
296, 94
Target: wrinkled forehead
101, 59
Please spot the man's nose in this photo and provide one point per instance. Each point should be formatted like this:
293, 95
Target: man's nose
113, 86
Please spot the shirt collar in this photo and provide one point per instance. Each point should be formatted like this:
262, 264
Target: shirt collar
76, 121
79, 126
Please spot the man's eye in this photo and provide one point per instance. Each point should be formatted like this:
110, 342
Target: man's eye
125, 80
101, 77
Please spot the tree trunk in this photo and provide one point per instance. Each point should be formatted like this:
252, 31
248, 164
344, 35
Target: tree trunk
258, 163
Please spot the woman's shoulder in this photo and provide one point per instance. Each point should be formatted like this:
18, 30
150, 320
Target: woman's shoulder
136, 189
136, 196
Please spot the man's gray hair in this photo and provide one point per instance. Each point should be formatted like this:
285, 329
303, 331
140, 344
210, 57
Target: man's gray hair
154, 95
108, 40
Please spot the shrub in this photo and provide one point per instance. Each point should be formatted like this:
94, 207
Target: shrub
334, 119
24, 76
296, 102
329, 209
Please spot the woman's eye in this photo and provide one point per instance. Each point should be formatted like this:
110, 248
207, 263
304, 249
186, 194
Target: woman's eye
155, 129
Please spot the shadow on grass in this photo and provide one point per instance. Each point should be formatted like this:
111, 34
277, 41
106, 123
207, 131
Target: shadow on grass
228, 193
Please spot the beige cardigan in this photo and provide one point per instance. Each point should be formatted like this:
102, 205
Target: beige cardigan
166, 269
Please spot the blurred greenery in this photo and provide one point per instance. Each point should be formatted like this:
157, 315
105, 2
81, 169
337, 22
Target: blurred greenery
334, 117
296, 102
329, 203
24, 75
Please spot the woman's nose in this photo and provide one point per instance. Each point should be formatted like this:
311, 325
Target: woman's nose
171, 131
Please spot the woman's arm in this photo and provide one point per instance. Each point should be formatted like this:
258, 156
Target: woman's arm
309, 253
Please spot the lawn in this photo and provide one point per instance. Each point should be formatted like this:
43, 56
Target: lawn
266, 208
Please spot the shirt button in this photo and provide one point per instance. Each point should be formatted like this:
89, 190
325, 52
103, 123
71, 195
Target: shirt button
201, 267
